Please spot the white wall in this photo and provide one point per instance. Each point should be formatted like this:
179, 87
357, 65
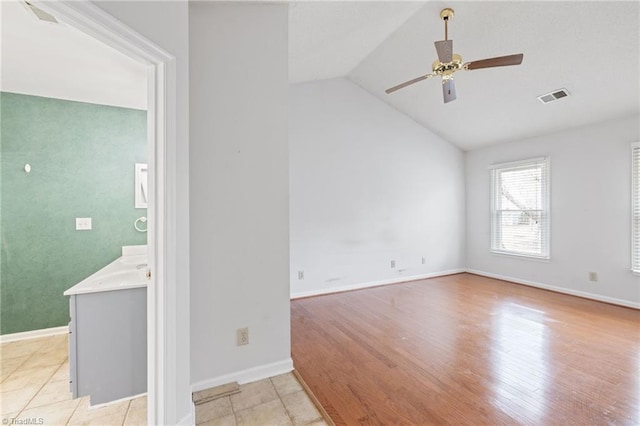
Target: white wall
368, 185
590, 211
239, 191
166, 24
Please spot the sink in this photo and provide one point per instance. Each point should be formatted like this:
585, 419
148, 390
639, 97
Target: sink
123, 273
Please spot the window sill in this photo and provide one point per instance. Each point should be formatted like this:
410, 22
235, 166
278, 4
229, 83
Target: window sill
543, 259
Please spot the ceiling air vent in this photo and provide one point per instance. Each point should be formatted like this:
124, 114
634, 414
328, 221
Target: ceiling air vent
553, 96
40, 14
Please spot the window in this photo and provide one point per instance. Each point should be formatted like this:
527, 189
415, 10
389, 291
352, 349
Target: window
520, 208
635, 207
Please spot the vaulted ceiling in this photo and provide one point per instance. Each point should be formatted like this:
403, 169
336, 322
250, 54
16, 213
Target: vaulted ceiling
591, 48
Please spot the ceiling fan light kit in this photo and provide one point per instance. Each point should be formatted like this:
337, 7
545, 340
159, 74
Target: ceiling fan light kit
448, 63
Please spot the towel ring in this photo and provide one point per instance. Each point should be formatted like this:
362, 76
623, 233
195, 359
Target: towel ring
142, 219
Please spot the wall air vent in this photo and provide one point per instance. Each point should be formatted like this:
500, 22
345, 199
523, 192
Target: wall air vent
40, 14
553, 96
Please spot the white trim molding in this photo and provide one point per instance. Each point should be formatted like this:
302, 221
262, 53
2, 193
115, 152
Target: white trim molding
578, 293
497, 208
359, 286
162, 312
34, 334
635, 208
247, 376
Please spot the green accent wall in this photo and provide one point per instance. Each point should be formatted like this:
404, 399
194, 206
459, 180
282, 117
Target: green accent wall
82, 159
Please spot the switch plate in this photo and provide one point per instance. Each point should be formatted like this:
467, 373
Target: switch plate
393, 263
83, 223
593, 277
301, 275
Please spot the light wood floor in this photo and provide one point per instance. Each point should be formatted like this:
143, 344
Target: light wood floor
465, 349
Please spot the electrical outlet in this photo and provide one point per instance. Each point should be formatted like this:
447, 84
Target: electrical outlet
243, 336
83, 223
301, 275
593, 277
424, 260
393, 263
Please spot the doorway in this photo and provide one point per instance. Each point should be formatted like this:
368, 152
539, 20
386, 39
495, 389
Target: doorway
161, 229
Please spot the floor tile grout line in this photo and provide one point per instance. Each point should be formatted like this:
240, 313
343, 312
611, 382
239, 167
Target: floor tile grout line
74, 411
126, 413
56, 367
285, 407
281, 401
15, 369
19, 365
279, 397
38, 391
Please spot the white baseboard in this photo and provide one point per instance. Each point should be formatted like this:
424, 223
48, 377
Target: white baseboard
359, 286
247, 376
578, 293
14, 337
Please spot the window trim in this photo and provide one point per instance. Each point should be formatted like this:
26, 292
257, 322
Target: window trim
635, 201
546, 200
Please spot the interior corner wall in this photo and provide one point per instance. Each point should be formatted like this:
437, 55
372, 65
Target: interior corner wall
166, 23
239, 191
368, 186
590, 211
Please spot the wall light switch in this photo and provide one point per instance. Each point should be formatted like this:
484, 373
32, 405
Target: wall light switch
83, 223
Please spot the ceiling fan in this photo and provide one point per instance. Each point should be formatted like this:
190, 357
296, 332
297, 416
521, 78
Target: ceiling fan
448, 63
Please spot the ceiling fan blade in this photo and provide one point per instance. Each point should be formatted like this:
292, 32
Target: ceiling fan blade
408, 83
500, 61
445, 50
448, 90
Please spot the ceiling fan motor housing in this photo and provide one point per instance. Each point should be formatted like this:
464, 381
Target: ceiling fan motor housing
447, 68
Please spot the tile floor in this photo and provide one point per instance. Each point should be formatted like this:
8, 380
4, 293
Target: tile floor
280, 400
34, 387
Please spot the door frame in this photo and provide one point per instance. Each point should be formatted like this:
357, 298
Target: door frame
161, 212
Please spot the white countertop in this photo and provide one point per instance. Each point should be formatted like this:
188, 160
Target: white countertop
128, 271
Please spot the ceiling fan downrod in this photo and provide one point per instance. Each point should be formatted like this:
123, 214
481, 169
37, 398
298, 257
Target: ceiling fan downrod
446, 15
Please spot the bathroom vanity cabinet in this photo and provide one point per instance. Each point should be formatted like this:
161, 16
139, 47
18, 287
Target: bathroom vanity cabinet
108, 344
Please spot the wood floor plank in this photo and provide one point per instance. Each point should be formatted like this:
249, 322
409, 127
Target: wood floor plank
468, 350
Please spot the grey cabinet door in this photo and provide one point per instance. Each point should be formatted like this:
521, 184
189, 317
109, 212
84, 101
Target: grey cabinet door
111, 344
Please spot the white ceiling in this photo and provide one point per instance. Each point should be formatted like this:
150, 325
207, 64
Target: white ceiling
58, 61
589, 48
329, 39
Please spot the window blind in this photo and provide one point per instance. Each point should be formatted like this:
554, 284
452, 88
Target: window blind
520, 208
635, 207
